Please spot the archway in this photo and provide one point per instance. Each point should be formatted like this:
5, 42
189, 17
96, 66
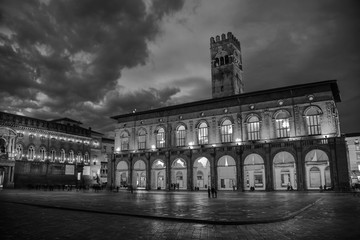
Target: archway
202, 174
122, 175
179, 174
317, 167
226, 170
139, 174
158, 175
254, 172
284, 170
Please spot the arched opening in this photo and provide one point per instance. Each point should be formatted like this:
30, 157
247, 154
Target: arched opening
139, 174
254, 172
226, 173
202, 175
122, 175
284, 170
158, 174
178, 174
317, 167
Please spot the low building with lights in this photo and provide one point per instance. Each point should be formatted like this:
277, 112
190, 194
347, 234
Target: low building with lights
275, 139
353, 144
37, 152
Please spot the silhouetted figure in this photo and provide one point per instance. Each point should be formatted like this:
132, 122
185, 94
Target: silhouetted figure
213, 192
209, 191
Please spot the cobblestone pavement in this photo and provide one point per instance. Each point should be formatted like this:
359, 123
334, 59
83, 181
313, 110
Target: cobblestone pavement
331, 216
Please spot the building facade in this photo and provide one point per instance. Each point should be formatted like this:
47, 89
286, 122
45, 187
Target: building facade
265, 140
353, 144
37, 152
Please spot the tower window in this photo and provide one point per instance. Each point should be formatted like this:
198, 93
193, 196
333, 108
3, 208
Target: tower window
221, 61
226, 59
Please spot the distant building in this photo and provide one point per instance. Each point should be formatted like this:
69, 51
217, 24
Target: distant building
264, 140
37, 152
353, 144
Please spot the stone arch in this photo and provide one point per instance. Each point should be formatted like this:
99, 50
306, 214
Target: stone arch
158, 174
226, 173
202, 173
316, 161
179, 174
254, 172
139, 174
122, 174
284, 171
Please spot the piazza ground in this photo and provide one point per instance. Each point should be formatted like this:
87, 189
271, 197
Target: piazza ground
31, 214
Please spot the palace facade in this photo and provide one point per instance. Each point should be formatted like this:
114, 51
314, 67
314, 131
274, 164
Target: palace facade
35, 152
264, 140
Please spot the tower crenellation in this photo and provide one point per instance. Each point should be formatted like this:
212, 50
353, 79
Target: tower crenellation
226, 65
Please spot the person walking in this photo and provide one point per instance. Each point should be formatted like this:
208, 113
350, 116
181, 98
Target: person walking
213, 192
209, 191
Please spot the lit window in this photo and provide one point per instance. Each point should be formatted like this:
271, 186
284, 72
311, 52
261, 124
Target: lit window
62, 155
313, 121
282, 124
42, 154
180, 135
52, 155
253, 128
86, 157
142, 139
160, 138
19, 151
31, 153
124, 139
226, 131
71, 156
203, 133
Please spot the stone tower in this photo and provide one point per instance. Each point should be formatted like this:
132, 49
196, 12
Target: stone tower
226, 66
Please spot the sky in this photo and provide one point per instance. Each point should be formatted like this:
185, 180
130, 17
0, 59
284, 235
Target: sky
89, 60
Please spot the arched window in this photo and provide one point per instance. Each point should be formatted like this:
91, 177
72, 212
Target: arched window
203, 133
31, 153
19, 151
62, 155
180, 135
253, 128
124, 139
141, 139
217, 62
79, 157
313, 120
160, 138
226, 131
42, 154
52, 155
86, 157
282, 124
71, 156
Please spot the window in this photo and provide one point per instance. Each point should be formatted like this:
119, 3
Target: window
71, 156
226, 131
253, 128
160, 138
313, 120
282, 124
142, 139
357, 145
62, 155
203, 137
19, 151
42, 154
78, 157
124, 139
86, 157
52, 155
180, 136
31, 153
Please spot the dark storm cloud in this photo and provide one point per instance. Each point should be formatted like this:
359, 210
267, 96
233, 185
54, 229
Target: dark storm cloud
62, 54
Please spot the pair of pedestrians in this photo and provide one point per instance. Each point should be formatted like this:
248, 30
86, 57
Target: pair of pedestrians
212, 192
